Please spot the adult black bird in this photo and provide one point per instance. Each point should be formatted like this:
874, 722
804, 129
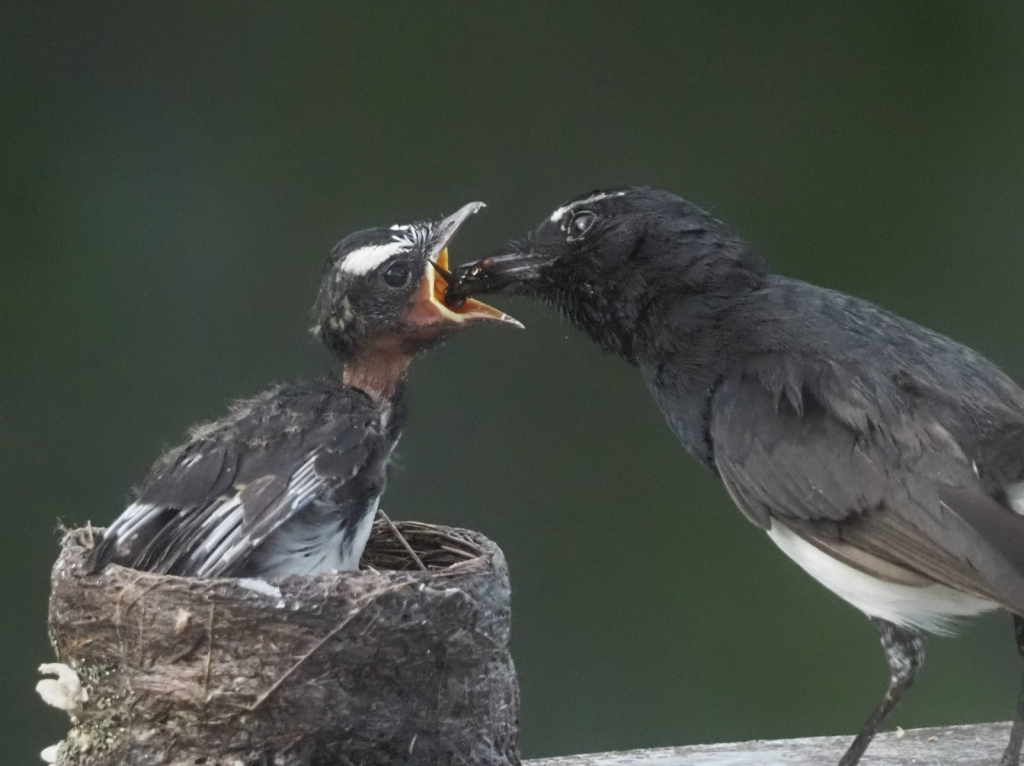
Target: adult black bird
289, 482
882, 457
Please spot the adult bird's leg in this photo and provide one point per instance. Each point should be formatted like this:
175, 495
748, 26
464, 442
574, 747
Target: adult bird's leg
904, 653
1012, 755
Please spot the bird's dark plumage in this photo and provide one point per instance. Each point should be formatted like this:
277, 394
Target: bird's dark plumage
289, 482
884, 458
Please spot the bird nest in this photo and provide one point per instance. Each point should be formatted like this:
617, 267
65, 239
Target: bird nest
406, 660
409, 545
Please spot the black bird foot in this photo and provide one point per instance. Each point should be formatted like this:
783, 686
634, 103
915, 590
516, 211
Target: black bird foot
1011, 757
905, 654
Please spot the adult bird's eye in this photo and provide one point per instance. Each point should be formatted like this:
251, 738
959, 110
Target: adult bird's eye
397, 274
580, 223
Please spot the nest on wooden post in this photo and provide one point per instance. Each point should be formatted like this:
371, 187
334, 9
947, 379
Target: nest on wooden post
406, 661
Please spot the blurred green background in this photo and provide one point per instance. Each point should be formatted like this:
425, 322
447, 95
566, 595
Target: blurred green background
172, 176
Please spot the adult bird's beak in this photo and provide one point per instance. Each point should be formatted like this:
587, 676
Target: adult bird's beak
429, 306
491, 275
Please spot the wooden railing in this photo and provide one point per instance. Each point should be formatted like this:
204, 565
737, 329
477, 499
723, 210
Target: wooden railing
977, 745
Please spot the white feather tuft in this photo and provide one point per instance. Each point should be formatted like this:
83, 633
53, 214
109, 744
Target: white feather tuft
65, 691
260, 586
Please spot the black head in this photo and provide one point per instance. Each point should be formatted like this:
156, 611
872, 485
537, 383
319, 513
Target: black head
383, 290
611, 260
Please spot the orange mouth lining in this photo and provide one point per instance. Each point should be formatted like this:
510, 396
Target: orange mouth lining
432, 306
441, 284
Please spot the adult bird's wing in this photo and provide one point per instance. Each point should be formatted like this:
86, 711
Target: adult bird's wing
208, 505
899, 501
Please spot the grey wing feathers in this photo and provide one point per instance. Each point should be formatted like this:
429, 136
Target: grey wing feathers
901, 503
179, 492
778, 460
208, 505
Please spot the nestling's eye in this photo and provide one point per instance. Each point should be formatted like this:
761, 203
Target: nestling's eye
397, 274
580, 223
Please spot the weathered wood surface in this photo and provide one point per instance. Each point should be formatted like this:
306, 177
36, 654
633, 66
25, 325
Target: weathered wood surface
978, 745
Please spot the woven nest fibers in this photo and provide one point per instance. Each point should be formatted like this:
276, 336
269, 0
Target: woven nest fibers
405, 661
407, 544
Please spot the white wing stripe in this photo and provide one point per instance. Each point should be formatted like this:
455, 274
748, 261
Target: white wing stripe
224, 543
217, 558
222, 510
232, 519
222, 557
131, 524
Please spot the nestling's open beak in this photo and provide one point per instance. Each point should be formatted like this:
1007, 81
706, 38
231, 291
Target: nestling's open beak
491, 275
428, 306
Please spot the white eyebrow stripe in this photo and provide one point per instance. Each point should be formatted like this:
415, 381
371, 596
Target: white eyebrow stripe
557, 215
370, 257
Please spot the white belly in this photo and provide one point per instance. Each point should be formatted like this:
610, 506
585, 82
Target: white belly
306, 545
362, 534
931, 608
